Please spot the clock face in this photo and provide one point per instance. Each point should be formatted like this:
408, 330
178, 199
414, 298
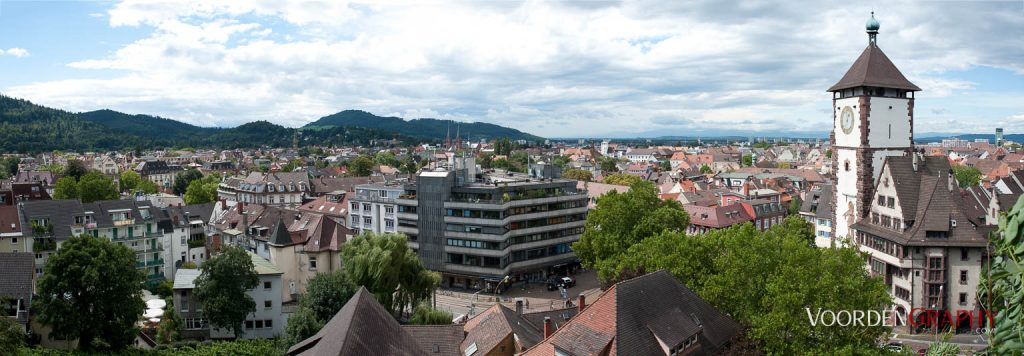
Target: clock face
846, 119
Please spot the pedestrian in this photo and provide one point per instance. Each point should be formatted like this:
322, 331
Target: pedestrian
552, 305
527, 303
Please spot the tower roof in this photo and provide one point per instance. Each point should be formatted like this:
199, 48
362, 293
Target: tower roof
874, 69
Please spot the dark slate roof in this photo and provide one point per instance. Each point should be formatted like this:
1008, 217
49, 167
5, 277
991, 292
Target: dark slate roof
437, 340
361, 328
825, 202
490, 327
280, 235
18, 269
657, 306
874, 69
930, 198
60, 213
633, 317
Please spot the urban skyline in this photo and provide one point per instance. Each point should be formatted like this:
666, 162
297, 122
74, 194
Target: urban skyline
550, 69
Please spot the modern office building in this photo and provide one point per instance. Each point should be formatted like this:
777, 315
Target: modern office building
478, 228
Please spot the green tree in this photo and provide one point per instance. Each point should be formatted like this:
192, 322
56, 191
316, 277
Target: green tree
200, 192
622, 179
326, 293
608, 165
384, 264
129, 180
425, 315
66, 188
92, 291
386, 158
665, 166
76, 168
183, 179
360, 166
169, 329
966, 176
766, 280
485, 160
9, 167
94, 186
794, 205
12, 335
705, 169
410, 165
578, 174
301, 325
147, 186
1001, 288
561, 161
221, 288
747, 160
828, 153
622, 220
520, 157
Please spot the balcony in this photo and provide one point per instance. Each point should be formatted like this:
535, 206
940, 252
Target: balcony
124, 222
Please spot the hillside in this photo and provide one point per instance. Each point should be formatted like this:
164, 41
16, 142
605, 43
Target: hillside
28, 127
431, 129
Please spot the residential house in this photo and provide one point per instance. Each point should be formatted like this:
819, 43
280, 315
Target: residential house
653, 314
265, 322
17, 286
12, 238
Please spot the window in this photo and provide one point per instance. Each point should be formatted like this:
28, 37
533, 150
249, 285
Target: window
312, 263
268, 323
268, 304
965, 254
267, 285
881, 200
259, 324
963, 298
14, 240
389, 210
248, 324
963, 276
390, 224
280, 199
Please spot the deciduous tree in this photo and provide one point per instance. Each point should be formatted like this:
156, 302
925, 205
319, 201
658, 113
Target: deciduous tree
384, 264
360, 166
92, 291
578, 174
94, 186
183, 179
622, 220
426, 315
66, 188
622, 179
129, 180
966, 176
221, 288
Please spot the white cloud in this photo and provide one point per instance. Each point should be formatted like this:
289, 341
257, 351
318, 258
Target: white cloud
550, 68
14, 51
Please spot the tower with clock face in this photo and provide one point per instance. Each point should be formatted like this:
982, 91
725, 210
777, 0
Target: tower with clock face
873, 118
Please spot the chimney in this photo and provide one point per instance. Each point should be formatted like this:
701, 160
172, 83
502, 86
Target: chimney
240, 206
519, 306
175, 220
583, 302
223, 204
547, 327
245, 224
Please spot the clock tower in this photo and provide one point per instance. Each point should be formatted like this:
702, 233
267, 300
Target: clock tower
873, 118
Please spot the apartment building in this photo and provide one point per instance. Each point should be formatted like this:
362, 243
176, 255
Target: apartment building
479, 229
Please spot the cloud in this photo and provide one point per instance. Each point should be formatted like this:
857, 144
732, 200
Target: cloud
15, 52
549, 68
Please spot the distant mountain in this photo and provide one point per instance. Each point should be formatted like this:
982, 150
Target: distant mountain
27, 127
432, 129
145, 125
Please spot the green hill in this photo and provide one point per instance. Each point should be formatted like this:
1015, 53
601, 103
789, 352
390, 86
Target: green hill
432, 129
28, 127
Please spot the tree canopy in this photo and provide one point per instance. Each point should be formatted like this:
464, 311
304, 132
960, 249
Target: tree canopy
92, 291
221, 288
129, 180
966, 176
622, 179
578, 174
622, 220
384, 264
183, 179
361, 166
325, 294
765, 280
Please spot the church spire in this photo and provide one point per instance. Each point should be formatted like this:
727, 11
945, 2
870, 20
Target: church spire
448, 137
872, 28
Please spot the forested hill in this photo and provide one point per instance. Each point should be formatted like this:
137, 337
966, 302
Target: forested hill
28, 127
424, 128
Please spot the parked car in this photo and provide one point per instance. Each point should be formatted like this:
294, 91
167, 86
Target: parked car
568, 282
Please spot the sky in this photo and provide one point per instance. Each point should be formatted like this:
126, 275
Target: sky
550, 68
